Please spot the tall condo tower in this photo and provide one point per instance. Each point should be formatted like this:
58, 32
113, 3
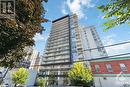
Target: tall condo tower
59, 52
67, 42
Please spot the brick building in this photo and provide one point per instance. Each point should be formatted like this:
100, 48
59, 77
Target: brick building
111, 72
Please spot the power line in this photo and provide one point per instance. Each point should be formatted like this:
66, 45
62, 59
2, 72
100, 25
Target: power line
98, 58
107, 57
108, 45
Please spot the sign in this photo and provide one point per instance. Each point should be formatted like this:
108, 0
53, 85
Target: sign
7, 9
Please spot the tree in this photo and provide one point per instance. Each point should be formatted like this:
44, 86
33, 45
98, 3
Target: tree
80, 75
20, 76
41, 82
16, 34
118, 11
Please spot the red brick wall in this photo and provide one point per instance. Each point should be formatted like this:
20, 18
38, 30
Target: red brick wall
115, 66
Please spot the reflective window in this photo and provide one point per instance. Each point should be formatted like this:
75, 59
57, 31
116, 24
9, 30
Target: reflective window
97, 67
109, 67
123, 67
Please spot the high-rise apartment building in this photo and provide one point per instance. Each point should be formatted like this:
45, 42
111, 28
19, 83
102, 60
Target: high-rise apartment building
91, 42
67, 42
58, 53
32, 59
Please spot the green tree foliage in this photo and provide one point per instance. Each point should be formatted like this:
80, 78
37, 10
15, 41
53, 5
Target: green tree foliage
17, 33
41, 82
80, 75
118, 11
20, 76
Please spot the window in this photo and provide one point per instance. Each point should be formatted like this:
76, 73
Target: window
97, 68
109, 67
99, 49
123, 67
0, 74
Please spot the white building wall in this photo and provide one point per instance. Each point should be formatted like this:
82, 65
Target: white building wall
28, 50
88, 42
3, 71
32, 77
111, 81
8, 79
33, 58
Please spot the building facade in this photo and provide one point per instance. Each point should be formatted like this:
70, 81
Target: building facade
32, 59
67, 43
36, 66
92, 44
112, 72
59, 51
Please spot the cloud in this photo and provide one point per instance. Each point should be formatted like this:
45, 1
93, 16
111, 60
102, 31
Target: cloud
115, 50
63, 9
109, 40
77, 6
39, 37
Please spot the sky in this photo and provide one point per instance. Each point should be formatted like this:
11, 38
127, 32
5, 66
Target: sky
88, 15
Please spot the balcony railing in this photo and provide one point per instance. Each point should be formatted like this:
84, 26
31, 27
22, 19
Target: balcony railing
63, 53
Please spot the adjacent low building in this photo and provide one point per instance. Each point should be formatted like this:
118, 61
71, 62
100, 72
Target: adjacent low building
111, 72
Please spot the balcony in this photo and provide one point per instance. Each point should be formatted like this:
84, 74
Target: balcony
56, 69
56, 59
60, 29
56, 63
62, 53
58, 43
59, 34
57, 50
55, 38
58, 40
60, 47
